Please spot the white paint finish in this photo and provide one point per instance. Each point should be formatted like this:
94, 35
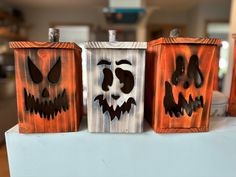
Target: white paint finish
115, 45
128, 123
82, 154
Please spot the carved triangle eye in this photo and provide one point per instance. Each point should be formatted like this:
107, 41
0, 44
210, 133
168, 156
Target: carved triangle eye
55, 72
35, 73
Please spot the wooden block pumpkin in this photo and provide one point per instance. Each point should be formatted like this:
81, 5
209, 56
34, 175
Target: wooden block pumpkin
179, 83
48, 86
115, 72
232, 98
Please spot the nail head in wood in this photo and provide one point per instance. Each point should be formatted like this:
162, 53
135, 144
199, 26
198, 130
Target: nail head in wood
112, 35
175, 33
53, 35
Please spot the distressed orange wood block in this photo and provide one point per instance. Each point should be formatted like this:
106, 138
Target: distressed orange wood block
48, 86
232, 98
179, 83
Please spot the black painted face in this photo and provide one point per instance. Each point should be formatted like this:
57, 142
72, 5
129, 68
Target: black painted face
194, 75
126, 80
46, 107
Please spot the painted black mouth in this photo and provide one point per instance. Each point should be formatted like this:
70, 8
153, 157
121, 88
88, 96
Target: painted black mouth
125, 107
177, 110
48, 108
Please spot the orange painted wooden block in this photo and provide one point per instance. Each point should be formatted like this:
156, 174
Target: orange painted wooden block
48, 86
232, 98
179, 83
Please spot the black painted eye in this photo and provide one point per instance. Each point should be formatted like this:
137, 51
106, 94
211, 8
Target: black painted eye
35, 73
127, 78
194, 71
55, 73
107, 80
179, 70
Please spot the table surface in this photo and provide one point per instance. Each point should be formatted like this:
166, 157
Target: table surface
84, 154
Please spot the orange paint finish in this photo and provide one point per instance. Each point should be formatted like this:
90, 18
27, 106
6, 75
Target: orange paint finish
160, 66
44, 58
216, 79
232, 98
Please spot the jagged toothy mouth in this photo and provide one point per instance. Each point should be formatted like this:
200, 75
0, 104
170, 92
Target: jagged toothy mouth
125, 107
177, 110
48, 108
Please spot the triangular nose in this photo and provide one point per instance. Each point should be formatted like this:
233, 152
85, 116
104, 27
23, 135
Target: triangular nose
45, 93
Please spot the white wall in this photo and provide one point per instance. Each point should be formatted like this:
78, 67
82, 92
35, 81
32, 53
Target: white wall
227, 83
205, 11
195, 19
159, 17
41, 18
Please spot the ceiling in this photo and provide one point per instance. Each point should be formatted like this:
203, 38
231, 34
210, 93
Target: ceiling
163, 5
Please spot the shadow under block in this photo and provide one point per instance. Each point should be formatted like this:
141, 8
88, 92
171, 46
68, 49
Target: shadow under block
48, 86
130, 155
115, 72
179, 81
232, 98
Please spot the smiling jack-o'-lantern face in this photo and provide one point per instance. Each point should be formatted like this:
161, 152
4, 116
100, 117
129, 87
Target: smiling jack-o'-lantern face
180, 75
42, 103
194, 76
122, 77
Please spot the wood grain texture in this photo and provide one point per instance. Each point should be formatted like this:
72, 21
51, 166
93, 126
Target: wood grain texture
183, 40
4, 172
70, 81
216, 73
50, 45
232, 97
99, 120
160, 65
116, 45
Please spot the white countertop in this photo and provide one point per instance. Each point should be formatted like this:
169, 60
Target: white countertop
84, 154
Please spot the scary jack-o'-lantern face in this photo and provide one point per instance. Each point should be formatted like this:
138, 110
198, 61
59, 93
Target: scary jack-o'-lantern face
48, 86
42, 103
194, 76
123, 103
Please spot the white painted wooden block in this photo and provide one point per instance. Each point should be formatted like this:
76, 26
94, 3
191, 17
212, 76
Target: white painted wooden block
115, 72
